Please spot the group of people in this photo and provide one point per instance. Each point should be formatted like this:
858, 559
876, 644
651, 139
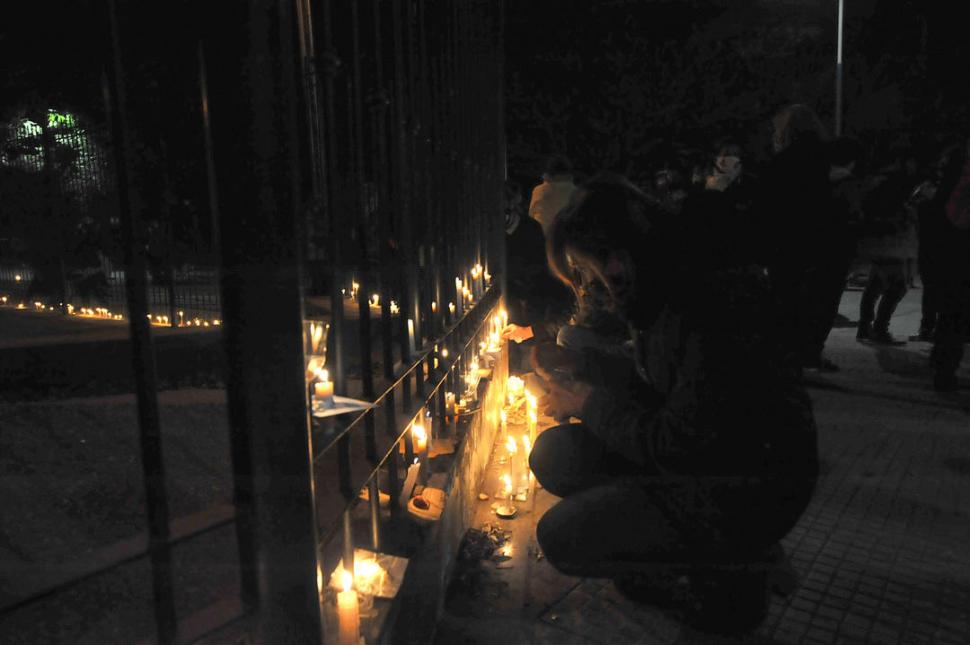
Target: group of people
670, 338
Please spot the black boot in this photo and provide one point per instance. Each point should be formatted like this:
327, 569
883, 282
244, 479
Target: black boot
864, 331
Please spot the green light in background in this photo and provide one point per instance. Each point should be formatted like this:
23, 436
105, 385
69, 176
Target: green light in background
58, 120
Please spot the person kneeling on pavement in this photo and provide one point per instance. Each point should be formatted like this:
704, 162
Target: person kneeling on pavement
708, 458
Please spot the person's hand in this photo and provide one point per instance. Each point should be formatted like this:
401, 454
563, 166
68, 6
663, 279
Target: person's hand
517, 333
550, 360
565, 399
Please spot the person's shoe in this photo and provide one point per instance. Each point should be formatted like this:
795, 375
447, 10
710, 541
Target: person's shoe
883, 337
821, 364
864, 331
945, 382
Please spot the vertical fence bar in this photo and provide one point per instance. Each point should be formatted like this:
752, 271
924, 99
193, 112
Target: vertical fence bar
136, 272
254, 117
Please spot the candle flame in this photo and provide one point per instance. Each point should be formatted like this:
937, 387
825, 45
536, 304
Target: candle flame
419, 433
526, 444
507, 480
503, 416
346, 580
444, 353
510, 444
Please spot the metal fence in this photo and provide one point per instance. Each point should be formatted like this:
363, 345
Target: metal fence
346, 150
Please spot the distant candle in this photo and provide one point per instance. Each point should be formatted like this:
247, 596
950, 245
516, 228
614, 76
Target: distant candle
451, 407
348, 612
434, 307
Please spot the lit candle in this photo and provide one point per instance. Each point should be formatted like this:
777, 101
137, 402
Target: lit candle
411, 343
323, 389
451, 407
451, 308
459, 295
526, 451
394, 308
348, 613
375, 300
434, 307
505, 420
512, 448
181, 318
516, 388
420, 437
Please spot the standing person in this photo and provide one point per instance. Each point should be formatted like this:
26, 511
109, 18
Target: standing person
929, 200
538, 304
711, 457
846, 190
953, 327
552, 195
888, 244
794, 214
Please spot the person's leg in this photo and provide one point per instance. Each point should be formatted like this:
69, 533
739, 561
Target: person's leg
895, 278
830, 286
950, 335
867, 305
570, 458
609, 530
620, 531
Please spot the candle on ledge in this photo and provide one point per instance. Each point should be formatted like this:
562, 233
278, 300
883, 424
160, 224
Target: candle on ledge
451, 308
420, 437
511, 446
323, 388
451, 406
348, 612
459, 296
434, 307
394, 308
375, 300
411, 343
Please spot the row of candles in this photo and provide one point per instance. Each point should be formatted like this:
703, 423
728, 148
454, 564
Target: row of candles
467, 291
514, 478
348, 612
103, 313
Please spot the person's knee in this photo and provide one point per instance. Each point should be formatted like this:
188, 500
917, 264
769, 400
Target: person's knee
554, 537
545, 458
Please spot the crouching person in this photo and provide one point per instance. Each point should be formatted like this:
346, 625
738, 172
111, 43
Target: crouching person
696, 471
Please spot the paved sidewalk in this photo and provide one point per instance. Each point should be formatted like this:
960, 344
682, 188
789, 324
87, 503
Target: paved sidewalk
883, 551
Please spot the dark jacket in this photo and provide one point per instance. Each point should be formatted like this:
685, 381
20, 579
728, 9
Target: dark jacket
794, 208
716, 415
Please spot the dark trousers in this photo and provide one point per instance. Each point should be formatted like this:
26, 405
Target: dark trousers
822, 295
952, 328
615, 518
887, 285
930, 299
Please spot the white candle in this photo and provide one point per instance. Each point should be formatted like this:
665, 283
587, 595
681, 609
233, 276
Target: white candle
420, 436
348, 612
451, 408
411, 346
512, 448
323, 388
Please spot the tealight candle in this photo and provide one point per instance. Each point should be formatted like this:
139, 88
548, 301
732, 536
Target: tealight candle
323, 389
348, 611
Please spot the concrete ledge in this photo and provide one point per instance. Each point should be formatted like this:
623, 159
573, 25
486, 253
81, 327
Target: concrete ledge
422, 595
